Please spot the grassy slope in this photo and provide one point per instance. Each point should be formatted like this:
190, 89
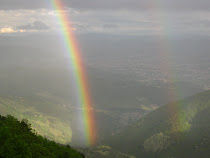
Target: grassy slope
46, 125
192, 124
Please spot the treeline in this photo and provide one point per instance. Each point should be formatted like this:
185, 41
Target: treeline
19, 140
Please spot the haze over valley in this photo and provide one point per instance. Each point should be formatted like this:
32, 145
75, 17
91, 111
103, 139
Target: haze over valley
147, 73
127, 80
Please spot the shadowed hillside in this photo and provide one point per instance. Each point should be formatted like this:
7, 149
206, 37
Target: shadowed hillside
178, 129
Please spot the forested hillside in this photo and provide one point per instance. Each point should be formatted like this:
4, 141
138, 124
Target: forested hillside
17, 139
51, 122
178, 129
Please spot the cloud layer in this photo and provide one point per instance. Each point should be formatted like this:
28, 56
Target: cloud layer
112, 22
111, 4
36, 25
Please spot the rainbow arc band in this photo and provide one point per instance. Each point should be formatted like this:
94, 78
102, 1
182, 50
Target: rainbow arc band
79, 71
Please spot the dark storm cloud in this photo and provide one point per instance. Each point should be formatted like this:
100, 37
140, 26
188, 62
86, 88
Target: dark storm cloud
37, 25
111, 4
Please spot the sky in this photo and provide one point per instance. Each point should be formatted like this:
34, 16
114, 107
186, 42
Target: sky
121, 17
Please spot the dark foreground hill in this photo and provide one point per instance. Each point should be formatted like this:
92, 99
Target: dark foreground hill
178, 129
18, 140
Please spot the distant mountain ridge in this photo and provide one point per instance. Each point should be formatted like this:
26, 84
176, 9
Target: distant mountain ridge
178, 129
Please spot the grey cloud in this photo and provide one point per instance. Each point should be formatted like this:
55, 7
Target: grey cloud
37, 25
141, 4
23, 4
111, 4
110, 26
205, 23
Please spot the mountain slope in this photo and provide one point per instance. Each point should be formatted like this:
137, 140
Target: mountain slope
49, 125
177, 129
17, 139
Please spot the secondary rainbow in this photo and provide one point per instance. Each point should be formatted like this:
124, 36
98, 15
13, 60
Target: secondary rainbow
166, 48
79, 72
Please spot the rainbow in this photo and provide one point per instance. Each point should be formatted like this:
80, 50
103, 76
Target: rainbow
174, 110
79, 73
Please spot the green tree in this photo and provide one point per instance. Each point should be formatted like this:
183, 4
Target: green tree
157, 142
